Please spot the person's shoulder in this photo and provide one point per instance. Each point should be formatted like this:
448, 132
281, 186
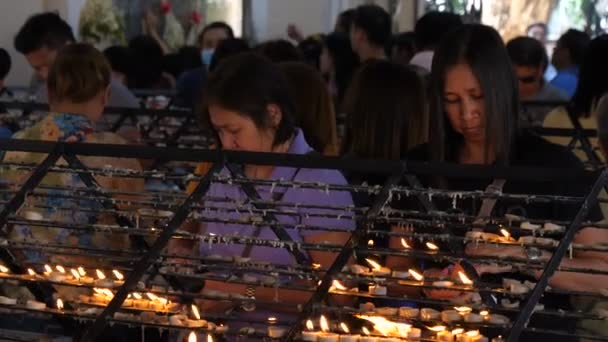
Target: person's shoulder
421, 152
535, 151
550, 92
121, 96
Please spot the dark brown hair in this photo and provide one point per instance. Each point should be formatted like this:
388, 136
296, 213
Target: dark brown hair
482, 49
247, 83
314, 110
80, 72
386, 110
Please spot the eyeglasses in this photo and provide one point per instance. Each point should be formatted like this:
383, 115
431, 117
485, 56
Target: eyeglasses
527, 79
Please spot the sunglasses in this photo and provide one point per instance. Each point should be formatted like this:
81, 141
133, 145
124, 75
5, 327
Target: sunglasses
527, 79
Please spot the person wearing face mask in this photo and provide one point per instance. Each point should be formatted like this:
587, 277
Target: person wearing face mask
474, 113
248, 106
210, 37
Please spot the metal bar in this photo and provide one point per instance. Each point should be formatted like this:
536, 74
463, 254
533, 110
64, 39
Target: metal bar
304, 161
553, 264
277, 229
35, 178
585, 143
116, 125
346, 252
90, 181
144, 263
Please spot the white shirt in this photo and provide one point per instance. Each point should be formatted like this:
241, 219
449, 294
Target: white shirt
423, 59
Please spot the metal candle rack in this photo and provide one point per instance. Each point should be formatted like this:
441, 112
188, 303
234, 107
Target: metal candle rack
149, 261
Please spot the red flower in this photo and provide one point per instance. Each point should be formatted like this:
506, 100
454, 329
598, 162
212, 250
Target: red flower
165, 7
196, 17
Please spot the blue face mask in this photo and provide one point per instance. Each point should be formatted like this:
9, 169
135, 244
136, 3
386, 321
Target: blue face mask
206, 56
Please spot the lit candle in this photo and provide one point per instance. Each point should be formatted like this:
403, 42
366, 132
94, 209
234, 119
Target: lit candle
31, 273
464, 279
102, 281
405, 244
310, 335
118, 275
370, 243
59, 305
337, 286
377, 269
432, 246
366, 337
75, 275
417, 276
60, 269
347, 337
506, 234
81, 271
47, 270
192, 337
195, 312
3, 269
443, 283
326, 336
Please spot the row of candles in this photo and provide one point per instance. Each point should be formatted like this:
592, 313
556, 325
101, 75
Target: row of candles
387, 331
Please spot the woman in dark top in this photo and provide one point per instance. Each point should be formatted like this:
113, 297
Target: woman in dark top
474, 110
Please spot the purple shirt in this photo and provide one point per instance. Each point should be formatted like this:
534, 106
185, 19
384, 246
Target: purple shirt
291, 196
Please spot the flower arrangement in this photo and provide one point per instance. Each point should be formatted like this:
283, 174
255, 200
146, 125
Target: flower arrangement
101, 23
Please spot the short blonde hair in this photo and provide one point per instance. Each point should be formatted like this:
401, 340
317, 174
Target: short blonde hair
79, 73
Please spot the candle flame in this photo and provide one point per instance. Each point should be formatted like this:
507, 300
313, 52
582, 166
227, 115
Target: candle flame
151, 296
370, 243
81, 271
272, 320
118, 275
405, 244
505, 233
365, 331
60, 269
59, 304
472, 333
463, 309
338, 285
438, 328
209, 338
96, 290
195, 312
163, 301
31, 272
484, 313
323, 323
457, 331
3, 269
309, 325
416, 275
344, 328
316, 266
107, 293
137, 295
192, 337
464, 279
100, 274
75, 274
432, 246
48, 269
376, 266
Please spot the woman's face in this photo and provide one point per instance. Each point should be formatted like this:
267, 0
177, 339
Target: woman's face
464, 104
238, 132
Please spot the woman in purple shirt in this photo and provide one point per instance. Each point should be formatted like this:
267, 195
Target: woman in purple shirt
248, 106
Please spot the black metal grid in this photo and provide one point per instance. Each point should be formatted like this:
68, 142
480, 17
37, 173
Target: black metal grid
366, 219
